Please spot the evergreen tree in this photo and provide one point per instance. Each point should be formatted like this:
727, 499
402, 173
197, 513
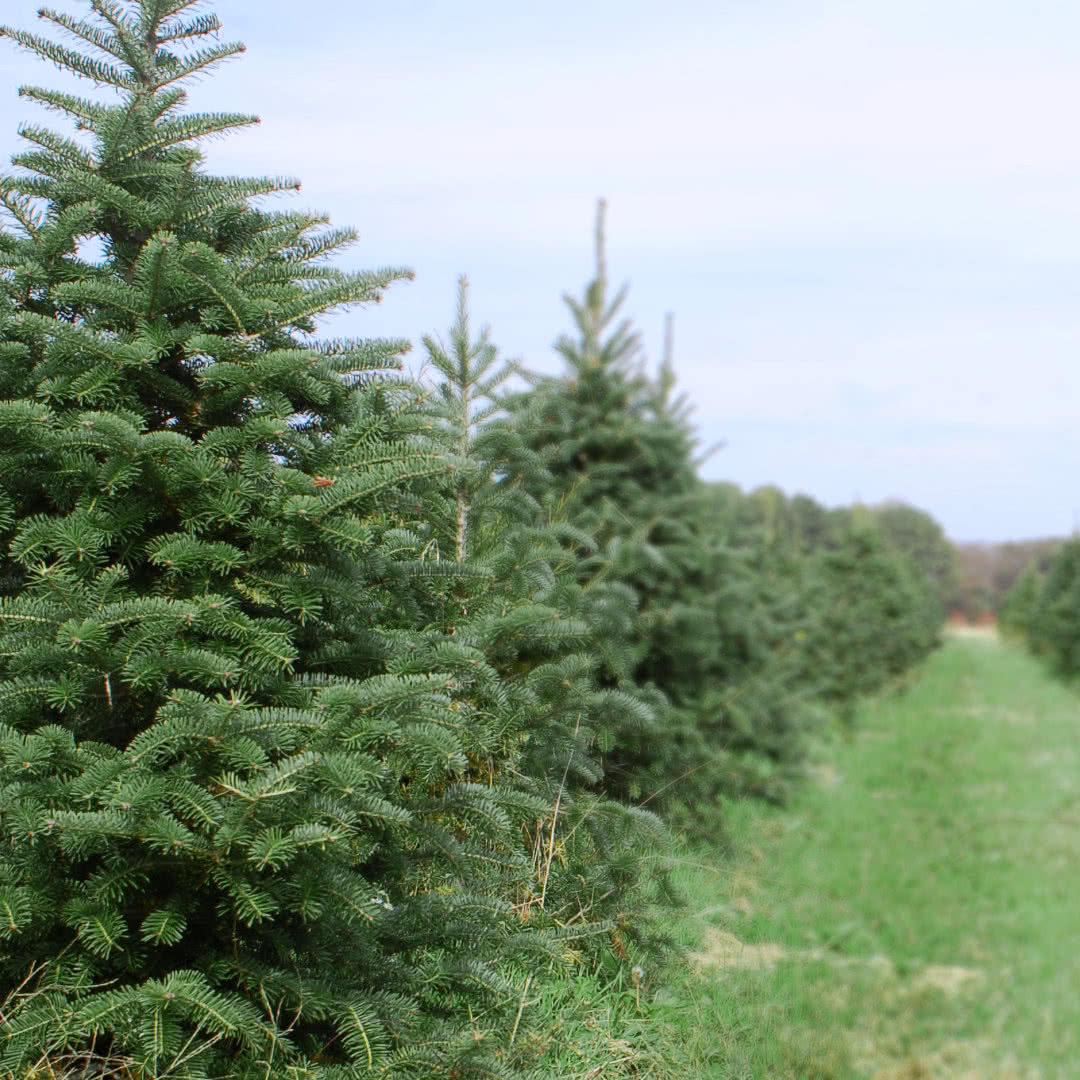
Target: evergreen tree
744, 608
529, 621
915, 533
616, 468
1055, 626
245, 828
698, 638
602, 428
809, 522
1021, 605
875, 615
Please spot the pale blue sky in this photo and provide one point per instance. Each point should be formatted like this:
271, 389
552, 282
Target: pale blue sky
866, 216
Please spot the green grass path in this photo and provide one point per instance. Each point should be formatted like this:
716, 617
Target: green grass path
916, 913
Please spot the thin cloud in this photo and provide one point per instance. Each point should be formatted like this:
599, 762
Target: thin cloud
866, 217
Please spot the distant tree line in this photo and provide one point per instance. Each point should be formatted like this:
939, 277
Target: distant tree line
984, 573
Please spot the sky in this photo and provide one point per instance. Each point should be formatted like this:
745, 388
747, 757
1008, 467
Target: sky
864, 216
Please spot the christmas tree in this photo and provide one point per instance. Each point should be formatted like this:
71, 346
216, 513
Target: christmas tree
522, 613
697, 640
240, 764
1055, 620
1021, 605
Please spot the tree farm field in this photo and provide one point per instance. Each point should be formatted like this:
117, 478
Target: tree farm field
912, 915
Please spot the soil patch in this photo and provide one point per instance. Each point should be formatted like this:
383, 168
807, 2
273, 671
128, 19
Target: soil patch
726, 952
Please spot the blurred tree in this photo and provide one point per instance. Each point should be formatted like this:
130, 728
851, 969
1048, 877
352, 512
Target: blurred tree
985, 572
922, 539
1055, 627
1020, 607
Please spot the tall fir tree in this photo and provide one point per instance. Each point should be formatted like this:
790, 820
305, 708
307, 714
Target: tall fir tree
609, 434
244, 832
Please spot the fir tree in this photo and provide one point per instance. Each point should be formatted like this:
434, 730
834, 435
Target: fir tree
244, 832
608, 455
609, 435
697, 639
916, 534
875, 615
593, 859
1055, 625
1020, 607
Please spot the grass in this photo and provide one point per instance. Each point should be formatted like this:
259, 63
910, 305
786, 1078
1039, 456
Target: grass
912, 916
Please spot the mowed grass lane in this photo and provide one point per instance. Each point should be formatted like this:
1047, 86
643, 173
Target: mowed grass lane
916, 913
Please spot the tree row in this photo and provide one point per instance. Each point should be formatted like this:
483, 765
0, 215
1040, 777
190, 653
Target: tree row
341, 710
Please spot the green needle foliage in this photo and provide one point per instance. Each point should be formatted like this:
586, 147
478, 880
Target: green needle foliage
723, 630
239, 757
916, 534
522, 610
618, 464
